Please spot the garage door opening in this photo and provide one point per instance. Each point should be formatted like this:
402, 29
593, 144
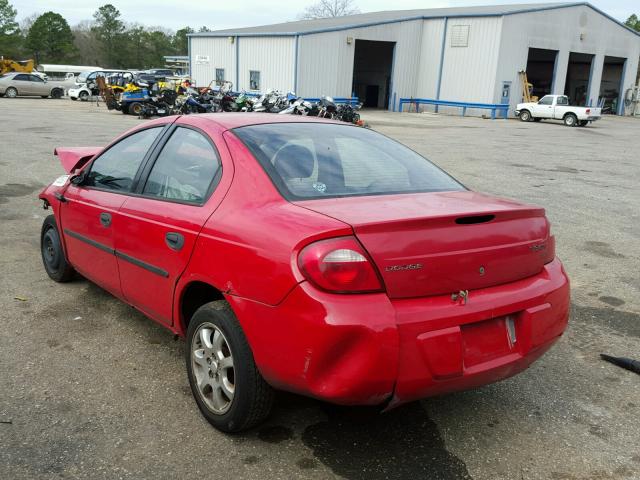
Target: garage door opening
611, 84
372, 65
541, 66
578, 78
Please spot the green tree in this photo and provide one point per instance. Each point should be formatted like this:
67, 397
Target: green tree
50, 39
10, 38
109, 30
181, 41
633, 22
203, 29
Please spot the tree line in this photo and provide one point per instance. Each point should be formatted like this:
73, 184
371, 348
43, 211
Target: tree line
106, 40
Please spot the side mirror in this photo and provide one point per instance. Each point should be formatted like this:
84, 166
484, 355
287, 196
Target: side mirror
77, 180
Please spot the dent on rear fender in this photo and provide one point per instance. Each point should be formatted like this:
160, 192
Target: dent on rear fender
340, 348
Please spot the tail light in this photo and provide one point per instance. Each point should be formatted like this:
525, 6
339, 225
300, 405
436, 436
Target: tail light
339, 265
588, 111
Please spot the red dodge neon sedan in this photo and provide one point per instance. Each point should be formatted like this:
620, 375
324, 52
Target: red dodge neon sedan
307, 255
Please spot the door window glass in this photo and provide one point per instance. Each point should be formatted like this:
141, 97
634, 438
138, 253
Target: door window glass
219, 76
23, 78
116, 168
35, 78
254, 80
546, 101
185, 168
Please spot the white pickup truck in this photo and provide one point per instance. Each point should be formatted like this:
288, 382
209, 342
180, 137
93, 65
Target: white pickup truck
556, 107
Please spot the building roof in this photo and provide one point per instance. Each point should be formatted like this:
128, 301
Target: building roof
305, 27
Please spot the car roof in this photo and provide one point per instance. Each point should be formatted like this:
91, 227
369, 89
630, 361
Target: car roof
230, 120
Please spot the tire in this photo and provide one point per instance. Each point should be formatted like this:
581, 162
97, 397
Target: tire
124, 108
11, 92
135, 108
57, 93
570, 120
525, 116
83, 96
73, 98
584, 123
251, 398
53, 258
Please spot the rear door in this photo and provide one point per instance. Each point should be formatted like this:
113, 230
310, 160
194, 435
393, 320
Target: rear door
89, 212
180, 189
22, 83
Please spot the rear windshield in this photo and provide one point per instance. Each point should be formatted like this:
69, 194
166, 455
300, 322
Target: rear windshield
315, 160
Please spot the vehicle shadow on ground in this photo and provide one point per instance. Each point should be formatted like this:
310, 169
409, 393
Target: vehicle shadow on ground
362, 443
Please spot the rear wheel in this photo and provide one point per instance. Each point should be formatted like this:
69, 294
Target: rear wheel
55, 263
525, 116
11, 92
570, 120
57, 93
224, 379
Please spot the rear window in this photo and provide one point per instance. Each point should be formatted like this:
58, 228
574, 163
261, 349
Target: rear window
314, 160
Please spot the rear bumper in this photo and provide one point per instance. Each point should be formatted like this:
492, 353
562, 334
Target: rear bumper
368, 349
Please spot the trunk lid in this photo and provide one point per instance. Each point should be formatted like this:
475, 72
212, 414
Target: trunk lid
443, 242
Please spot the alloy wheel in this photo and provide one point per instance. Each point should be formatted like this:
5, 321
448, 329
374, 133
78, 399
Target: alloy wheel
213, 369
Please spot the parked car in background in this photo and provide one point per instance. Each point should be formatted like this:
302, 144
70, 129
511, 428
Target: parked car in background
556, 107
17, 84
306, 255
160, 73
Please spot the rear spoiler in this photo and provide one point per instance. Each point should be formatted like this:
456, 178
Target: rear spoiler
73, 158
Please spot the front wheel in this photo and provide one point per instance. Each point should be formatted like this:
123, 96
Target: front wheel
525, 116
224, 379
83, 96
55, 263
57, 93
570, 120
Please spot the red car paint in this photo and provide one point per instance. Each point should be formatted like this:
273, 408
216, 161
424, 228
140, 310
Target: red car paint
434, 329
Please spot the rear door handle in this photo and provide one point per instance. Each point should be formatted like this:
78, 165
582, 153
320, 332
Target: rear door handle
105, 219
174, 240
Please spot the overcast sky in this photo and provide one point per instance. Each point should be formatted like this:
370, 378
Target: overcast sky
217, 15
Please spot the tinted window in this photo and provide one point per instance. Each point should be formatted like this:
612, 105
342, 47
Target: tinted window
312, 160
116, 168
35, 78
22, 77
546, 101
185, 168
562, 101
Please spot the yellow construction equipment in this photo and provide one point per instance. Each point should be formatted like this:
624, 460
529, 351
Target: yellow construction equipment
7, 65
527, 88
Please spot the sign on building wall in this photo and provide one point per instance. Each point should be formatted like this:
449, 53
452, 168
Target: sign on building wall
202, 59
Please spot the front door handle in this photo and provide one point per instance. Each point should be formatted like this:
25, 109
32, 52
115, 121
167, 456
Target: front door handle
105, 219
174, 240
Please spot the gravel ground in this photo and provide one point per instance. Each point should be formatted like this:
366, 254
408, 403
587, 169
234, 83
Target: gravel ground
89, 388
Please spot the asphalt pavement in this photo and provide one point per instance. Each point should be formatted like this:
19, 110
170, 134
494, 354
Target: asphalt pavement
90, 388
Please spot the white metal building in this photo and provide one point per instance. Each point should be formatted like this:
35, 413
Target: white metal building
469, 54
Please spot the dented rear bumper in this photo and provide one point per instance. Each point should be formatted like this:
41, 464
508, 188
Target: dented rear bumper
369, 349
